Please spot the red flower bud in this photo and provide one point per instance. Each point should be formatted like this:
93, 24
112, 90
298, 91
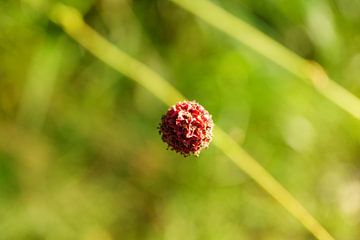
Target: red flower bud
186, 128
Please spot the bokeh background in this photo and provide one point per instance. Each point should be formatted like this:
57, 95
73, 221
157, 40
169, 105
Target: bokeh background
80, 154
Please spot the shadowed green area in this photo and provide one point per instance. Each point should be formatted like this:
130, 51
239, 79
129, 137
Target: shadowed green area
81, 158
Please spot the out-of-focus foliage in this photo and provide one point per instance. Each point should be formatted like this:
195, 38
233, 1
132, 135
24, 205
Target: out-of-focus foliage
80, 154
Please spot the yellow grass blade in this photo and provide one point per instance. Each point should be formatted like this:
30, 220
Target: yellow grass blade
73, 24
250, 166
264, 45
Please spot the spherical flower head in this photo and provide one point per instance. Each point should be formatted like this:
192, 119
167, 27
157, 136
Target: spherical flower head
187, 128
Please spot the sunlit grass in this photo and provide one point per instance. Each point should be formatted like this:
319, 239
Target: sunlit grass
71, 20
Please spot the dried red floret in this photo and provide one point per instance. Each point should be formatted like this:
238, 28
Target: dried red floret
186, 128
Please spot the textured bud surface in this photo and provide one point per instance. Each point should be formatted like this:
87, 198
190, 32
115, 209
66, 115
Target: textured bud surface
187, 128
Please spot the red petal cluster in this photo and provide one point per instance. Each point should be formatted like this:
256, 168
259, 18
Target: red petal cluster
187, 128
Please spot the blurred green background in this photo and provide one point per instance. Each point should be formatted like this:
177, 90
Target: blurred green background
80, 154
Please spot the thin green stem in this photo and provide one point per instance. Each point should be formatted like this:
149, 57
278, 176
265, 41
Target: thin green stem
250, 166
251, 37
72, 22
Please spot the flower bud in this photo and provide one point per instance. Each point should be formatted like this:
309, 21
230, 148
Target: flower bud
186, 128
